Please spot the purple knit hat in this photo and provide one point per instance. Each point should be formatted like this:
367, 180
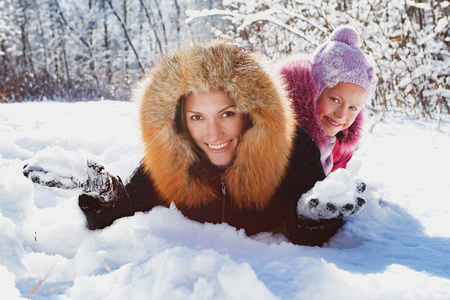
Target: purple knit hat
341, 60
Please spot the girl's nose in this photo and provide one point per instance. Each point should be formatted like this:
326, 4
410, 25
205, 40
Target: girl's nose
340, 112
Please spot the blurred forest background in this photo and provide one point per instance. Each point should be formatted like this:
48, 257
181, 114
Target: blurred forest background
78, 50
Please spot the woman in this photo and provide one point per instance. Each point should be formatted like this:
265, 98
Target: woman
220, 143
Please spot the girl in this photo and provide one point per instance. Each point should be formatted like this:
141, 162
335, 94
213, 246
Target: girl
329, 90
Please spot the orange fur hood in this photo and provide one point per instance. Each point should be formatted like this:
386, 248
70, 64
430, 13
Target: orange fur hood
262, 154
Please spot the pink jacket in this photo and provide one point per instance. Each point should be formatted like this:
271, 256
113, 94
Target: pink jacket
297, 74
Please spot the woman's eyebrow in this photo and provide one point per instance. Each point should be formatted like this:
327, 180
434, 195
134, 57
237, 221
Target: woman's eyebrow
225, 108
193, 112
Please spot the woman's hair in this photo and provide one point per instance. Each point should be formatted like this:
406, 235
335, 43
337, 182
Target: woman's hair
180, 122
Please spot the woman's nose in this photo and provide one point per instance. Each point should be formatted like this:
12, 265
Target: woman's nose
214, 131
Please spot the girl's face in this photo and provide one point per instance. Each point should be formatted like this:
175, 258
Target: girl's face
214, 125
338, 106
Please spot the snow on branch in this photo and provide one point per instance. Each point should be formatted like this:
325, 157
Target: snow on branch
247, 19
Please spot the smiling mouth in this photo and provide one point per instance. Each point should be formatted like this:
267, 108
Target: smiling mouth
219, 147
333, 122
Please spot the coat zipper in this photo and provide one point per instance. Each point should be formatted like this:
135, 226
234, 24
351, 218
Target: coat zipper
224, 192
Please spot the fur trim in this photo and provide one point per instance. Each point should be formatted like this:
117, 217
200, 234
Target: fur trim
263, 152
296, 71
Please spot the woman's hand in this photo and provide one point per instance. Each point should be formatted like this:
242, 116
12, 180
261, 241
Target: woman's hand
336, 196
68, 170
47, 178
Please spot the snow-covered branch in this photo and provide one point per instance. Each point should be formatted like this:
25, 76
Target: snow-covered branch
127, 36
94, 49
408, 41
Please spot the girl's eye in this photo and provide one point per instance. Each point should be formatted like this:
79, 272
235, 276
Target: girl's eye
353, 108
335, 100
196, 117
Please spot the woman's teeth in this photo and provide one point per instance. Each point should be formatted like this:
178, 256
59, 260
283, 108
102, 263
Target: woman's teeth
218, 147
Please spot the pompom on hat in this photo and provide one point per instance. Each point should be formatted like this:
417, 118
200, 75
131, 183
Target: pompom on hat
341, 60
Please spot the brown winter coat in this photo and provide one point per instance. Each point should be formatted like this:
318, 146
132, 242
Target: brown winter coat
264, 148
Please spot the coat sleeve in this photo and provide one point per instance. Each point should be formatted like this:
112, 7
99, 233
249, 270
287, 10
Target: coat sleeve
305, 170
137, 195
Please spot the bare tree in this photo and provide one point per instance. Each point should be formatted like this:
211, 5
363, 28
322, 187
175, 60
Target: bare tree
127, 36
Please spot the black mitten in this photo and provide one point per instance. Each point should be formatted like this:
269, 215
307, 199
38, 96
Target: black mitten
101, 184
43, 177
96, 181
360, 187
336, 196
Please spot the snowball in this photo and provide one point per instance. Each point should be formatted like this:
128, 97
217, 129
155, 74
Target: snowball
338, 190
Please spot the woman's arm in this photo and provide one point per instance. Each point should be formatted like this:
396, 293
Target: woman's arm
137, 195
305, 170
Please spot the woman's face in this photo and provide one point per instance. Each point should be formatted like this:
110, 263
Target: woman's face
338, 106
214, 125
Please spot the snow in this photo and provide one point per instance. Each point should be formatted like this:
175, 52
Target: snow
324, 193
61, 162
397, 247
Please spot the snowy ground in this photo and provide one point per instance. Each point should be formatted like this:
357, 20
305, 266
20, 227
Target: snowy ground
398, 247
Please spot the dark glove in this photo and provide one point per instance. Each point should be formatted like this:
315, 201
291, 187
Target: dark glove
337, 196
320, 210
361, 201
97, 183
360, 187
47, 178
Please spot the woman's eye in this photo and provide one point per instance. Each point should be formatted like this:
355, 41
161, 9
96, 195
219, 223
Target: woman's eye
228, 114
196, 117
